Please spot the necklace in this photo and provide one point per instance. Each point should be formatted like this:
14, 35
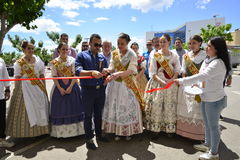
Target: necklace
63, 59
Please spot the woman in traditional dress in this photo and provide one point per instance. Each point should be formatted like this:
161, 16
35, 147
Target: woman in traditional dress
160, 109
122, 114
189, 116
66, 105
28, 111
141, 67
212, 73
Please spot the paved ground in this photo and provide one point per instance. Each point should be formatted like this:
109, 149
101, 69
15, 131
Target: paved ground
141, 147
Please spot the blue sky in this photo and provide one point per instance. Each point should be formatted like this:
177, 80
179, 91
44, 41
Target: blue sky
111, 17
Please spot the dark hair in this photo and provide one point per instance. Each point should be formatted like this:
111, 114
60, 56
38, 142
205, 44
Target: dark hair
63, 35
25, 44
84, 42
124, 36
196, 38
154, 38
222, 52
134, 43
178, 39
168, 38
94, 36
60, 45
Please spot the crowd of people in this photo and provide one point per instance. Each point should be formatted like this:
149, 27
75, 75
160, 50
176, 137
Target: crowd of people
115, 100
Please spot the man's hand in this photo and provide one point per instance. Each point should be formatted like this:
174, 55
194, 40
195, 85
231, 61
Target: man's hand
97, 74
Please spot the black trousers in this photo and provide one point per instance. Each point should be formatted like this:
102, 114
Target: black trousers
93, 102
2, 118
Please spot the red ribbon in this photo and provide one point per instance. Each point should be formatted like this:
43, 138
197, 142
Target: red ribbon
82, 77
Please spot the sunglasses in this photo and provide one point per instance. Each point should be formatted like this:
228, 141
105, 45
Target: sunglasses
85, 45
97, 45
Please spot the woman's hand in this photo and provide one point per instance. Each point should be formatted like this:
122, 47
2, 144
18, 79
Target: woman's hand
176, 81
68, 90
113, 76
138, 76
105, 71
62, 91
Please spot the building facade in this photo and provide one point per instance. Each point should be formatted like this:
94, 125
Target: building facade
187, 30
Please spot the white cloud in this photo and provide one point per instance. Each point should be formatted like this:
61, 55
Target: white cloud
75, 23
101, 19
70, 14
6, 42
68, 4
49, 44
201, 4
43, 24
143, 5
133, 19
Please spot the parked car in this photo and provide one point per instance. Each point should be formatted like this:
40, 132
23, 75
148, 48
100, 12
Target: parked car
10, 70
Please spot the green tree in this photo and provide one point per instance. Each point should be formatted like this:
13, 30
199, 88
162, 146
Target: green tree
184, 46
10, 57
39, 50
23, 12
55, 37
212, 31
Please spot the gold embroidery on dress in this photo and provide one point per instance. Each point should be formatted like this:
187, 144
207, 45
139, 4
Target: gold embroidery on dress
129, 81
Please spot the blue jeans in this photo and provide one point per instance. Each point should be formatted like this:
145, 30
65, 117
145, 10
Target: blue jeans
211, 112
93, 103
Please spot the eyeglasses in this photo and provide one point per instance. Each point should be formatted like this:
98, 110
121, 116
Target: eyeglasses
84, 45
149, 44
97, 45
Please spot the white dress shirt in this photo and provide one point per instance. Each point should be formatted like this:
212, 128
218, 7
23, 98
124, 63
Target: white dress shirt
3, 75
212, 72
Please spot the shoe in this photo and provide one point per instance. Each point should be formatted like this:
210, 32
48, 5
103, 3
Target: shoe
209, 156
221, 117
90, 145
116, 138
102, 139
155, 137
170, 135
6, 144
128, 138
201, 147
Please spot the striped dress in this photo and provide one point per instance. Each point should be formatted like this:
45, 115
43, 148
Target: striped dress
18, 124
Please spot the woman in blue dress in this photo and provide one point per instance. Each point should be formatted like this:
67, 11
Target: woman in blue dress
66, 105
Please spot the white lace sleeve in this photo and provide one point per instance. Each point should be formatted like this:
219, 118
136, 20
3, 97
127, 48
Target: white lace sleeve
53, 70
111, 65
133, 64
177, 66
42, 67
17, 69
183, 68
153, 67
143, 64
